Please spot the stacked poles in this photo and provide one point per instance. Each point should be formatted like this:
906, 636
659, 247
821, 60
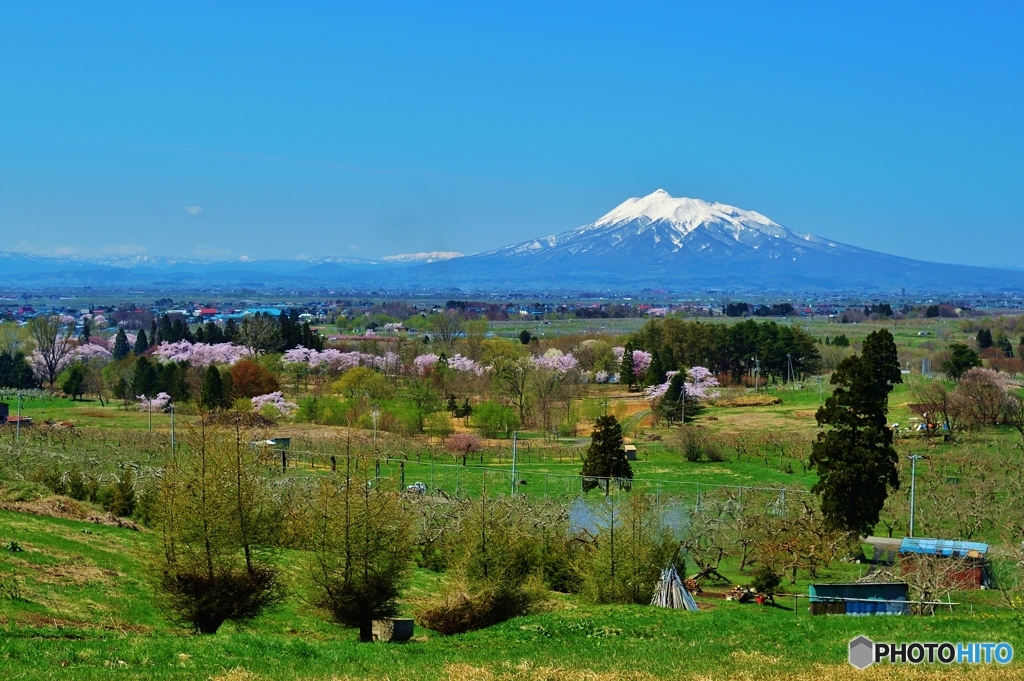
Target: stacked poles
672, 592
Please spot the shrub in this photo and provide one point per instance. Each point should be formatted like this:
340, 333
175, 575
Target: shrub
766, 581
697, 445
461, 610
204, 601
495, 420
497, 561
249, 379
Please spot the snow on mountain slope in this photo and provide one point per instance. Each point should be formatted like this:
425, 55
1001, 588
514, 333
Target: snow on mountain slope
655, 227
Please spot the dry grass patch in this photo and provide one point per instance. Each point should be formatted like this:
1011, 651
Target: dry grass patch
68, 509
755, 400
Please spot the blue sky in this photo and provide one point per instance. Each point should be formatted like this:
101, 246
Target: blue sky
312, 129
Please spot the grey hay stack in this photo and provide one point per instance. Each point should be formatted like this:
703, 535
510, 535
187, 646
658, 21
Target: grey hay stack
672, 593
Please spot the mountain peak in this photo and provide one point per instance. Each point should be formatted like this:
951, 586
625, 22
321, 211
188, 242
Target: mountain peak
684, 214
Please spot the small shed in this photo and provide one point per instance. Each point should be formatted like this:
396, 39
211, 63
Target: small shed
975, 571
630, 452
860, 598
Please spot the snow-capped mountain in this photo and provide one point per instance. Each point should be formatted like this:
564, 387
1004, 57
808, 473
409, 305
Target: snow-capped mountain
432, 256
655, 241
664, 242
658, 226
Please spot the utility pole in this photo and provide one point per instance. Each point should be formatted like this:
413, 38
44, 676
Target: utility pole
375, 414
17, 426
172, 428
913, 475
682, 401
514, 434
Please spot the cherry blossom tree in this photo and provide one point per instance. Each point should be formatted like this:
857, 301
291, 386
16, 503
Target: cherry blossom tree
157, 403
200, 354
275, 400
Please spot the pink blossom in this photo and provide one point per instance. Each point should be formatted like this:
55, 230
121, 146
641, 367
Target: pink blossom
601, 377
460, 363
107, 342
89, 351
200, 354
297, 355
389, 363
275, 400
699, 383
619, 352
424, 363
555, 360
641, 360
154, 403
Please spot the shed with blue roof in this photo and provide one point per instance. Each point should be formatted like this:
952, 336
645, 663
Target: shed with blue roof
974, 570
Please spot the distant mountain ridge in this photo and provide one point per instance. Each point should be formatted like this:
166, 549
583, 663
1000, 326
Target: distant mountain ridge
655, 241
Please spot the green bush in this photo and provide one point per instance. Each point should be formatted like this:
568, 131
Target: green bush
494, 419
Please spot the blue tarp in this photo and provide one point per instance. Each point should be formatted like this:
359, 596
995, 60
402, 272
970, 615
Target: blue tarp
949, 548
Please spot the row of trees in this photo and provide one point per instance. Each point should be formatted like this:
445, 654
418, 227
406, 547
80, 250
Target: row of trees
223, 524
728, 349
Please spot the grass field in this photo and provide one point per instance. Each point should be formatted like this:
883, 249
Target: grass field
83, 609
76, 603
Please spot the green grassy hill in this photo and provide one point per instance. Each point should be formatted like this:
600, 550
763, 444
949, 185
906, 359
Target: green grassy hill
75, 603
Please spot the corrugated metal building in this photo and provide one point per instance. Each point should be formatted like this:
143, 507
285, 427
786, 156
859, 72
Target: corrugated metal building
860, 598
975, 571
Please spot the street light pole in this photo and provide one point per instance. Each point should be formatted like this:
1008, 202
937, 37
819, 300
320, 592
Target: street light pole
913, 475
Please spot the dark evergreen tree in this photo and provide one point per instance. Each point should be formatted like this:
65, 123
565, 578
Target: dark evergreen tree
606, 458
166, 330
152, 332
144, 379
525, 337
74, 382
656, 370
121, 347
626, 374
1003, 343
290, 335
961, 360
211, 394
230, 330
15, 372
855, 457
311, 338
86, 331
141, 344
984, 339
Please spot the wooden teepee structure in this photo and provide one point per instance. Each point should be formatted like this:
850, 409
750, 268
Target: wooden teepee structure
672, 593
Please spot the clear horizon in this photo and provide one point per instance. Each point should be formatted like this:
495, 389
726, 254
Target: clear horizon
216, 131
